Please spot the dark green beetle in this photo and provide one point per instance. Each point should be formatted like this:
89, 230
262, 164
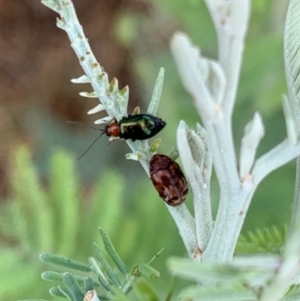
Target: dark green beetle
135, 127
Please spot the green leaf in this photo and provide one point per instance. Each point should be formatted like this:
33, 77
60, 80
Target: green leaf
113, 253
58, 277
52, 276
56, 292
65, 293
100, 257
97, 270
88, 284
73, 287
65, 262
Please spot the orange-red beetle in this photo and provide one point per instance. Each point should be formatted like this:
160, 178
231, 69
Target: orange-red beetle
168, 180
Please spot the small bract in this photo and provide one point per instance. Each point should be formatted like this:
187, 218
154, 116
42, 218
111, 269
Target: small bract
168, 180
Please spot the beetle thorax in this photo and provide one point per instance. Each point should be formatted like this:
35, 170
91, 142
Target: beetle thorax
112, 130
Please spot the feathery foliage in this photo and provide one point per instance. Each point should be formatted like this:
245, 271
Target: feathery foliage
266, 240
115, 282
36, 219
57, 208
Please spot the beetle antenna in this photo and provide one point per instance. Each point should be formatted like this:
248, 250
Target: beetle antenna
91, 145
83, 124
90, 127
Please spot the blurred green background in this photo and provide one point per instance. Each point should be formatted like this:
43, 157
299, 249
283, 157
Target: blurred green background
50, 202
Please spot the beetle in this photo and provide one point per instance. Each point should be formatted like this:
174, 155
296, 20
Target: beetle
168, 180
135, 127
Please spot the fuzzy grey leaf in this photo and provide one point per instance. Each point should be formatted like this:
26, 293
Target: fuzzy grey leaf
292, 58
214, 293
208, 272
